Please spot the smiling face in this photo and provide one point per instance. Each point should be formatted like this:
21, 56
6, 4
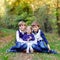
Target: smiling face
22, 26
35, 28
28, 30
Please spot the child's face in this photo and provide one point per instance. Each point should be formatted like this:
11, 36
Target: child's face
35, 28
22, 27
28, 30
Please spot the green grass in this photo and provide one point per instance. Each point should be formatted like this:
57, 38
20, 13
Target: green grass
5, 32
3, 54
53, 39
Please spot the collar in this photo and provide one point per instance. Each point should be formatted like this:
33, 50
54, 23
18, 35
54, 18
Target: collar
35, 32
21, 31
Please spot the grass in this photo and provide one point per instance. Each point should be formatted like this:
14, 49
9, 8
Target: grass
53, 39
3, 54
5, 32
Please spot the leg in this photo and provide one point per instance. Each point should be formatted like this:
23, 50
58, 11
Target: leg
18, 44
36, 48
31, 49
15, 48
52, 52
43, 46
23, 47
27, 50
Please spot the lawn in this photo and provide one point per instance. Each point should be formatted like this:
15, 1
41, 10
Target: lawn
53, 39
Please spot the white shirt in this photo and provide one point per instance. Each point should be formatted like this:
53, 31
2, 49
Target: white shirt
17, 36
37, 36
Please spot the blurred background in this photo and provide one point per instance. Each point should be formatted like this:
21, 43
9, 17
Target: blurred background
46, 12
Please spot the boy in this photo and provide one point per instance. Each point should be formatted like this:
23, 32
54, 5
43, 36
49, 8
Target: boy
42, 43
20, 44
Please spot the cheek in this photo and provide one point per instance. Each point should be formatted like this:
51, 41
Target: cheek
34, 29
23, 27
19, 27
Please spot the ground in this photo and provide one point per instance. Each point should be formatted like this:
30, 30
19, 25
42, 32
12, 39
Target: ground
7, 39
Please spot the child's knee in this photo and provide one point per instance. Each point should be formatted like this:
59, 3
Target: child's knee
24, 46
18, 45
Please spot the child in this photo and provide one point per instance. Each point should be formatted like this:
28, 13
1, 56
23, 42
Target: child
42, 42
29, 38
20, 44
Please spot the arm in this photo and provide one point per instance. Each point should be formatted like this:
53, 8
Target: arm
18, 38
33, 38
45, 40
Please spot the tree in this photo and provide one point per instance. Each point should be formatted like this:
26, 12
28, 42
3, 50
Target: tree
42, 15
17, 11
58, 15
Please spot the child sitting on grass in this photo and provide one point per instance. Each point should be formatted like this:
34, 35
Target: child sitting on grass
29, 39
42, 42
20, 44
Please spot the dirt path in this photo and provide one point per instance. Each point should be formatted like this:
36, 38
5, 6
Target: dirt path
22, 56
5, 40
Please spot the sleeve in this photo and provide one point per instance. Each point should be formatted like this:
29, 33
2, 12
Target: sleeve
24, 38
44, 38
33, 38
18, 38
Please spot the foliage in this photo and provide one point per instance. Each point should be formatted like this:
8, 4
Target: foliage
28, 10
21, 12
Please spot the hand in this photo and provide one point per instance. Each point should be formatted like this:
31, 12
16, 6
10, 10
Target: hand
30, 37
48, 46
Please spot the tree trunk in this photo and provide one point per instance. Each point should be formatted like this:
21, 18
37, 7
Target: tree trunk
58, 16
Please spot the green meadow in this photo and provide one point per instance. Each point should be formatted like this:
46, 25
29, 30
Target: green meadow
53, 38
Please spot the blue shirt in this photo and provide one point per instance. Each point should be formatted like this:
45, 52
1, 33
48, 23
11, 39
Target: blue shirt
27, 36
44, 38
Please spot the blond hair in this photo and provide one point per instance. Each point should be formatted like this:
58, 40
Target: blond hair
30, 27
21, 23
35, 23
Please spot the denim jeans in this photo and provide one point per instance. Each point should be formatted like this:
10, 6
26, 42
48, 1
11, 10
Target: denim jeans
40, 47
36, 48
18, 47
43, 46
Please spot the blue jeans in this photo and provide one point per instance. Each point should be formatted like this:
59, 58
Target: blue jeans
40, 47
18, 47
36, 48
43, 46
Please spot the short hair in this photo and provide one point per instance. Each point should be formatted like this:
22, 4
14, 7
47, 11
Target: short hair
30, 27
35, 23
21, 23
